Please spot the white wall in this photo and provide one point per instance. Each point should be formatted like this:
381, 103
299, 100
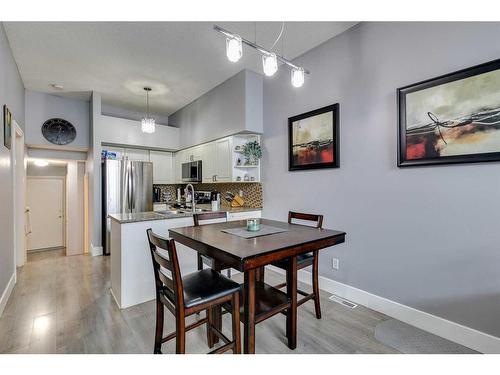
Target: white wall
128, 132
112, 111
50, 170
232, 107
11, 94
424, 237
74, 208
41, 106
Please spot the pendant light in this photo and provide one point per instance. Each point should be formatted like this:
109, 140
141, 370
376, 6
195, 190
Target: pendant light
297, 76
148, 123
269, 64
234, 48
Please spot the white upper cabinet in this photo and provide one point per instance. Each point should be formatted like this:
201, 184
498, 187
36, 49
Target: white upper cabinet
223, 160
137, 154
208, 162
163, 172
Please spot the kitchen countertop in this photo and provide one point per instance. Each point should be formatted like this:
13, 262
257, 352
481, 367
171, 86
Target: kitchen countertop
150, 216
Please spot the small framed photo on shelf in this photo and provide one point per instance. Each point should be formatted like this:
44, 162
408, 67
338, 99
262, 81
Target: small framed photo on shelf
313, 139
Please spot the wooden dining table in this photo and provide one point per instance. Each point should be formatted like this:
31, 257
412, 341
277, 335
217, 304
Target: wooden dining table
250, 255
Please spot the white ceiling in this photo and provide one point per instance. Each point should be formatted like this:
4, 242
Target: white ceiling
179, 60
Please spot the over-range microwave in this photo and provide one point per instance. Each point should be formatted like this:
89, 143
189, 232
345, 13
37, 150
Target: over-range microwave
191, 171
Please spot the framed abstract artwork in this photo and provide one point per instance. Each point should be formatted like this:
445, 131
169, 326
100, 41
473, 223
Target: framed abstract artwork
313, 139
454, 118
7, 127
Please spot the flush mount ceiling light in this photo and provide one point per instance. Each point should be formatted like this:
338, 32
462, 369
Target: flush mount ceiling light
234, 48
41, 163
148, 124
234, 51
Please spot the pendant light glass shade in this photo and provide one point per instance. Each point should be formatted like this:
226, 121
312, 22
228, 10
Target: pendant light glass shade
148, 125
269, 64
234, 48
297, 75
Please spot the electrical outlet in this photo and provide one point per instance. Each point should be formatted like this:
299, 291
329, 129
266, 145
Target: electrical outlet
335, 263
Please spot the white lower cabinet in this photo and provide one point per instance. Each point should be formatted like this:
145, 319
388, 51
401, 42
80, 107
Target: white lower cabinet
235, 216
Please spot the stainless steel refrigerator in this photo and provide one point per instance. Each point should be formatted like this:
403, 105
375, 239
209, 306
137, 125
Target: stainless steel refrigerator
127, 187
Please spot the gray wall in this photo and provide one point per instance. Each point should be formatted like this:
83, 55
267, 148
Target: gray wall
222, 111
425, 237
41, 106
12, 94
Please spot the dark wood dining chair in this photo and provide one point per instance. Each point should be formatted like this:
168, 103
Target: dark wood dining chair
305, 260
185, 296
210, 218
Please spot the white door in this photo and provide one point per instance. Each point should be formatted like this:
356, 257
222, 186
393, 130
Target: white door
46, 204
223, 160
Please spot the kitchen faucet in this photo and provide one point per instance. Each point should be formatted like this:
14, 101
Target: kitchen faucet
193, 204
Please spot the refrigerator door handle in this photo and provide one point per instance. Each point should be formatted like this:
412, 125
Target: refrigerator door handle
132, 185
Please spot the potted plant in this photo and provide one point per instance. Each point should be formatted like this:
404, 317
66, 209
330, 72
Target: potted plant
252, 152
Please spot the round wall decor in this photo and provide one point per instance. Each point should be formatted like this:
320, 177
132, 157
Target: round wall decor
58, 131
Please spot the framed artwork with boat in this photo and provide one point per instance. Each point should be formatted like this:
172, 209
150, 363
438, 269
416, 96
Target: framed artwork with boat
451, 119
313, 139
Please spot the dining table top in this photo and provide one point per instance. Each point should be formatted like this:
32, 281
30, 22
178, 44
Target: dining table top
243, 253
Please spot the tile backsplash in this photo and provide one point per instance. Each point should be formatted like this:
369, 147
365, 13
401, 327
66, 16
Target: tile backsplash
252, 191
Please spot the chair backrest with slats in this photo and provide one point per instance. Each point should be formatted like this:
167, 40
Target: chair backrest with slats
171, 286
209, 218
306, 217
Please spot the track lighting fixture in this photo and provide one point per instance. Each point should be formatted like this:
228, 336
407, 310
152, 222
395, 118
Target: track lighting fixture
234, 51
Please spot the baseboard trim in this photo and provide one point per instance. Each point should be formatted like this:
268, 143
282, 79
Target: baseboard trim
7, 292
469, 337
114, 297
95, 250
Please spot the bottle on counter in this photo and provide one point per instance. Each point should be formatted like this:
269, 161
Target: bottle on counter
215, 198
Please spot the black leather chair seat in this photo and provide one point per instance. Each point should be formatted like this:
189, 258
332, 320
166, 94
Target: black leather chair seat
205, 286
303, 260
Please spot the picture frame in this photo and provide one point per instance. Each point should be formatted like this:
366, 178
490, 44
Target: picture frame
450, 119
314, 139
7, 127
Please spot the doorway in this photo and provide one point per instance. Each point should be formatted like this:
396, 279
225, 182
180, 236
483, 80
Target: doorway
46, 202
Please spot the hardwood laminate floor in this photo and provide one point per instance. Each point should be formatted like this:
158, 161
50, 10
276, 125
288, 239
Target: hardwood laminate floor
63, 304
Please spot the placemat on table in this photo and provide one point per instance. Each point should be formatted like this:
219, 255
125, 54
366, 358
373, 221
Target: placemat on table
244, 233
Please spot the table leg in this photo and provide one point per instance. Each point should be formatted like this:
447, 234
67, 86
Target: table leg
259, 274
291, 291
249, 333
217, 310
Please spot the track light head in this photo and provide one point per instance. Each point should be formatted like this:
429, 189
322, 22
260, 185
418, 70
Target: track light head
234, 48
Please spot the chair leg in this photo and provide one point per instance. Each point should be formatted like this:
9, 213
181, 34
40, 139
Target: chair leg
315, 283
159, 326
180, 334
210, 319
235, 305
200, 262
